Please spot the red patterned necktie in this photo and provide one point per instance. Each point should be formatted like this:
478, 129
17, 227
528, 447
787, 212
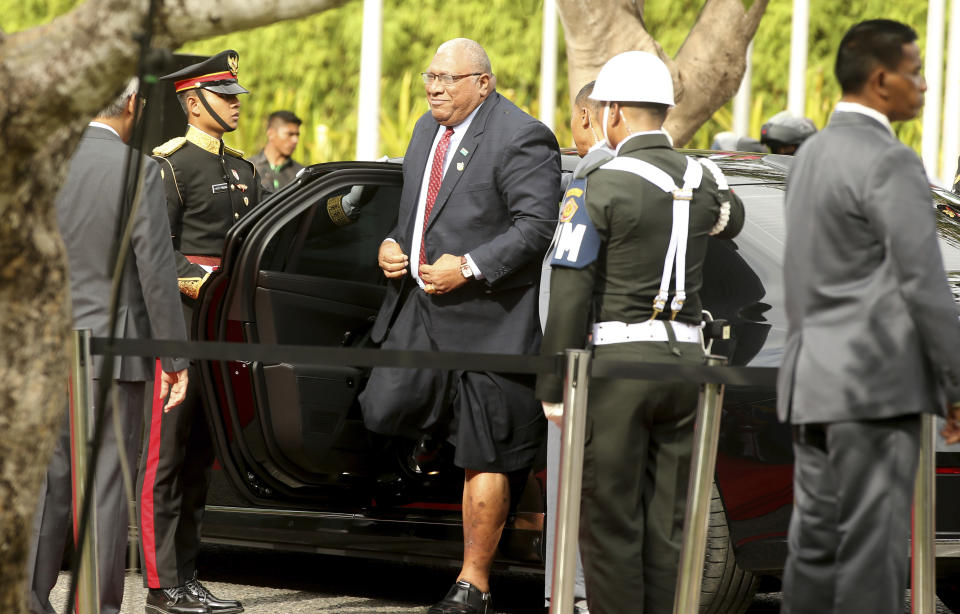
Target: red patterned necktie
436, 178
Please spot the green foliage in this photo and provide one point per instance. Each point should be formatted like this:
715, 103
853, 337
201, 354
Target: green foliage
311, 66
18, 15
829, 20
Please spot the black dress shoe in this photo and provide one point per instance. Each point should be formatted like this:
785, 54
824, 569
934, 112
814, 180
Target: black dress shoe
175, 600
463, 598
424, 458
215, 605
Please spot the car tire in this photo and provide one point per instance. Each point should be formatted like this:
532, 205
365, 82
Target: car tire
726, 588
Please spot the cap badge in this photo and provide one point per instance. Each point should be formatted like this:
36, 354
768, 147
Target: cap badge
233, 62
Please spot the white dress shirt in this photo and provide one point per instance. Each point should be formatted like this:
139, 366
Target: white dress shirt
458, 131
104, 126
856, 107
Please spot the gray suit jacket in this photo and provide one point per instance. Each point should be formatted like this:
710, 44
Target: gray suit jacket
873, 330
501, 208
88, 206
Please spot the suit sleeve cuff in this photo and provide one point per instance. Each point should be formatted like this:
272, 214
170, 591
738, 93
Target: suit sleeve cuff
550, 389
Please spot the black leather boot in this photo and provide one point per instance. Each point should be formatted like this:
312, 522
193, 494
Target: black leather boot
215, 605
175, 600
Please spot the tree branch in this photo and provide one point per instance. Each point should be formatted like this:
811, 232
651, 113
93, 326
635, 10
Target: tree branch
50, 85
595, 32
711, 62
215, 17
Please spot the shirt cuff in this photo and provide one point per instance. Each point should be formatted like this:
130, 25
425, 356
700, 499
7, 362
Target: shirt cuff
473, 267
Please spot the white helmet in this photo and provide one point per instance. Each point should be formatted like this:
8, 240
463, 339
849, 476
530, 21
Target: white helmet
634, 76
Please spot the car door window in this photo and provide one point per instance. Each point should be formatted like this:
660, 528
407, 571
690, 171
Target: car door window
323, 242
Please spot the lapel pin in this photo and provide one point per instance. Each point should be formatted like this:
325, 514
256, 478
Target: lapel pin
459, 166
463, 151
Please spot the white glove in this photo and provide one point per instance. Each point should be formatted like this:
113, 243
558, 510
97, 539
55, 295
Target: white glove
553, 412
350, 202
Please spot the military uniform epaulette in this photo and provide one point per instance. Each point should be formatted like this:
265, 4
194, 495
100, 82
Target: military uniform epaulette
233, 152
169, 147
599, 159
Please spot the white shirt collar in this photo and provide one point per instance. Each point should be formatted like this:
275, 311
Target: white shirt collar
105, 127
856, 107
599, 145
463, 126
630, 136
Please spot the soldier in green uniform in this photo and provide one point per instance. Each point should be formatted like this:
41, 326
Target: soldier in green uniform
627, 270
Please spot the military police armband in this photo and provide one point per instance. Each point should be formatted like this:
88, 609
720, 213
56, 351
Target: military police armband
578, 241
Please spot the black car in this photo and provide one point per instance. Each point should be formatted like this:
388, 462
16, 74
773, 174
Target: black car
298, 470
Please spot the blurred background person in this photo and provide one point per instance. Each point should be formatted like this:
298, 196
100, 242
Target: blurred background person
730, 141
275, 162
784, 132
593, 150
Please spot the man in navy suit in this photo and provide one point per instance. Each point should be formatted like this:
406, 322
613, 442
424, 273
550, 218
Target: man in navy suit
479, 205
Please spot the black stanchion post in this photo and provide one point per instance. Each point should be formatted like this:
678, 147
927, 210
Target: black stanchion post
571, 474
81, 421
923, 558
699, 492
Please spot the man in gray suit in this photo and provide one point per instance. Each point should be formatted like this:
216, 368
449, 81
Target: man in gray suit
873, 333
88, 208
479, 203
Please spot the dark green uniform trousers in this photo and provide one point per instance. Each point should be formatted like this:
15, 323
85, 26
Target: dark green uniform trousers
635, 470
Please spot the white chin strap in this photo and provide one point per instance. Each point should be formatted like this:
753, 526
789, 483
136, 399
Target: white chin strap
606, 116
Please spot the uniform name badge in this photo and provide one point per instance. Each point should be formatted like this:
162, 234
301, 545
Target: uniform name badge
578, 242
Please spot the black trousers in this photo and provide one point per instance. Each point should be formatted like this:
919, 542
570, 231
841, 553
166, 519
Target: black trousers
850, 528
635, 471
172, 487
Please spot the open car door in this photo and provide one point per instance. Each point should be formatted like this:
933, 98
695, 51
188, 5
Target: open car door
298, 270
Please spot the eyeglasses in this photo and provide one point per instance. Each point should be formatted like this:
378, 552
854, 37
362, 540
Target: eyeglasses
445, 79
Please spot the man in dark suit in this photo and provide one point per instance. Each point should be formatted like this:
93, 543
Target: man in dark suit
88, 208
872, 337
479, 204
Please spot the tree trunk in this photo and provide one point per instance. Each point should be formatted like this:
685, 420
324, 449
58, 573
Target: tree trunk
706, 72
53, 79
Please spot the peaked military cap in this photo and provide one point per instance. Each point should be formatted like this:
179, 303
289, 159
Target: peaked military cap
217, 74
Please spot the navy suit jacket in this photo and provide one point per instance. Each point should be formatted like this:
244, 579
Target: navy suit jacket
497, 202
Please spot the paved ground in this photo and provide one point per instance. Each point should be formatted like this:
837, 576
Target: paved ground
291, 583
